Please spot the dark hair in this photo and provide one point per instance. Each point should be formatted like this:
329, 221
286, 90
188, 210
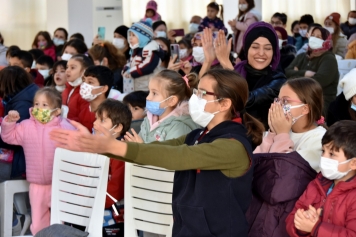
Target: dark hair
218, 8
186, 43
231, 85
281, 16
1, 39
136, 98
342, 135
36, 53
64, 30
166, 56
310, 92
13, 48
24, 56
117, 112
158, 23
306, 19
13, 79
53, 96
60, 63
84, 60
294, 24
350, 13
104, 75
47, 37
313, 26
79, 45
78, 36
324, 32
45, 60
107, 50
251, 4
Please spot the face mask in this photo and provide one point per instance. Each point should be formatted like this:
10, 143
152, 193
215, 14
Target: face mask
118, 43
243, 7
196, 111
193, 27
154, 107
315, 43
77, 82
86, 92
303, 33
161, 34
330, 29
353, 106
42, 115
42, 45
44, 73
66, 56
33, 64
352, 21
198, 54
58, 41
330, 168
134, 46
287, 108
93, 130
280, 42
183, 53
61, 88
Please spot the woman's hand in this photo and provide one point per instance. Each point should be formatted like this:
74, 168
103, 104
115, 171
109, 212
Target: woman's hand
134, 137
171, 36
309, 74
174, 66
223, 49
281, 123
186, 67
13, 116
96, 40
208, 47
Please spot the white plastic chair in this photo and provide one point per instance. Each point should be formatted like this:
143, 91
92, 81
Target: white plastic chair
148, 200
344, 67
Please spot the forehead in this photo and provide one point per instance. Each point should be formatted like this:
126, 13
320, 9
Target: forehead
91, 78
262, 41
276, 19
207, 83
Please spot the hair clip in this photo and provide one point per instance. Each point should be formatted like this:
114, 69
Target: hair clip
185, 78
321, 121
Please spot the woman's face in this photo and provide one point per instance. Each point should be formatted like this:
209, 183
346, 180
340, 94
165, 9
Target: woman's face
41, 40
59, 34
260, 53
70, 50
182, 46
197, 43
118, 36
317, 33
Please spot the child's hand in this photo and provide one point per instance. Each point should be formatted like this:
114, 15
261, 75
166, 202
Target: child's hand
13, 116
186, 67
127, 75
304, 224
134, 137
312, 214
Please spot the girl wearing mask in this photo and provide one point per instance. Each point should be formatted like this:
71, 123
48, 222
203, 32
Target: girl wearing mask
212, 20
228, 132
183, 66
73, 47
288, 51
151, 11
349, 27
120, 41
332, 24
159, 29
43, 41
247, 16
304, 25
318, 63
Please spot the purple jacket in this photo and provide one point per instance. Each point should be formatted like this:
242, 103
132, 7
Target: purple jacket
216, 24
279, 180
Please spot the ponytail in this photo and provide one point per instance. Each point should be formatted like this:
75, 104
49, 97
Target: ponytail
254, 127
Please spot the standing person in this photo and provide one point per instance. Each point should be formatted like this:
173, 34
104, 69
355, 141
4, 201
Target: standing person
318, 63
247, 16
349, 27
44, 42
332, 24
216, 187
212, 20
288, 51
304, 24
151, 11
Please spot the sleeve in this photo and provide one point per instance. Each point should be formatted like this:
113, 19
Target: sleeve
273, 143
249, 20
222, 26
290, 72
327, 68
148, 65
266, 144
84, 115
12, 133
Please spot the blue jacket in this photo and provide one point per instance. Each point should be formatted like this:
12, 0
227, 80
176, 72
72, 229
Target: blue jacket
21, 102
300, 42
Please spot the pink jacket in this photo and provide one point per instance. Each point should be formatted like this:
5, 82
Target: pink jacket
39, 149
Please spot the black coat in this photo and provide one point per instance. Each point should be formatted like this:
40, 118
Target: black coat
338, 110
288, 53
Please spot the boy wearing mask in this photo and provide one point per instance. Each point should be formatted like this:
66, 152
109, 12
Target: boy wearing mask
304, 23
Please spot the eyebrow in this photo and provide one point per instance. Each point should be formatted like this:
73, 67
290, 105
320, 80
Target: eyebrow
263, 44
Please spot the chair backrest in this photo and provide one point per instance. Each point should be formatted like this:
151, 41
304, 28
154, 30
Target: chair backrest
344, 67
148, 200
79, 189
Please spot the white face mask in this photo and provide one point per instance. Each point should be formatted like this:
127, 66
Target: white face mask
118, 43
196, 111
183, 53
287, 108
315, 43
58, 41
198, 54
352, 21
193, 27
61, 88
76, 83
280, 42
44, 73
86, 92
243, 7
33, 64
66, 56
134, 46
303, 33
330, 168
161, 34
330, 29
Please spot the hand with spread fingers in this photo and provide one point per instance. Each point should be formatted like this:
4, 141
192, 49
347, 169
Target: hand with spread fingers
223, 49
208, 47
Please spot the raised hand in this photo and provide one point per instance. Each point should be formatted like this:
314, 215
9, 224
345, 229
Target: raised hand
208, 47
13, 116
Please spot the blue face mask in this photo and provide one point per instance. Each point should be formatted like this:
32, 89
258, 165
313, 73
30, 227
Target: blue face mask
353, 106
154, 107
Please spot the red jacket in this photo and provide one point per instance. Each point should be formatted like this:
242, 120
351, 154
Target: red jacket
51, 51
116, 181
339, 208
37, 77
78, 108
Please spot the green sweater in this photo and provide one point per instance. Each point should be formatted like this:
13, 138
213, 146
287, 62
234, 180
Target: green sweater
227, 155
326, 73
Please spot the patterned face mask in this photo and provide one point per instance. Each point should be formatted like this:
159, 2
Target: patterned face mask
43, 115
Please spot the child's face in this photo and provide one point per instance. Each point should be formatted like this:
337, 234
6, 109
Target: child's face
212, 13
15, 61
41, 41
60, 76
42, 66
275, 21
93, 81
138, 113
303, 26
70, 50
156, 91
133, 39
42, 102
106, 122
150, 13
330, 153
74, 70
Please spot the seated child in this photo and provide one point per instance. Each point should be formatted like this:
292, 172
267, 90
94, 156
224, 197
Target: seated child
44, 64
36, 53
33, 135
59, 75
328, 207
136, 101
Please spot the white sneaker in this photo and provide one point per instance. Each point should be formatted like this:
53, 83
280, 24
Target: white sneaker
16, 230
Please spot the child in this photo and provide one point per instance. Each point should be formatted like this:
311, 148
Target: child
73, 47
24, 59
151, 11
211, 20
33, 135
144, 61
44, 64
36, 53
136, 101
304, 49
300, 104
78, 107
59, 75
304, 23
327, 207
44, 42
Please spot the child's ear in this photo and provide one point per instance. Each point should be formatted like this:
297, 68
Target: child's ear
57, 112
225, 104
118, 129
306, 109
353, 163
173, 101
105, 89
